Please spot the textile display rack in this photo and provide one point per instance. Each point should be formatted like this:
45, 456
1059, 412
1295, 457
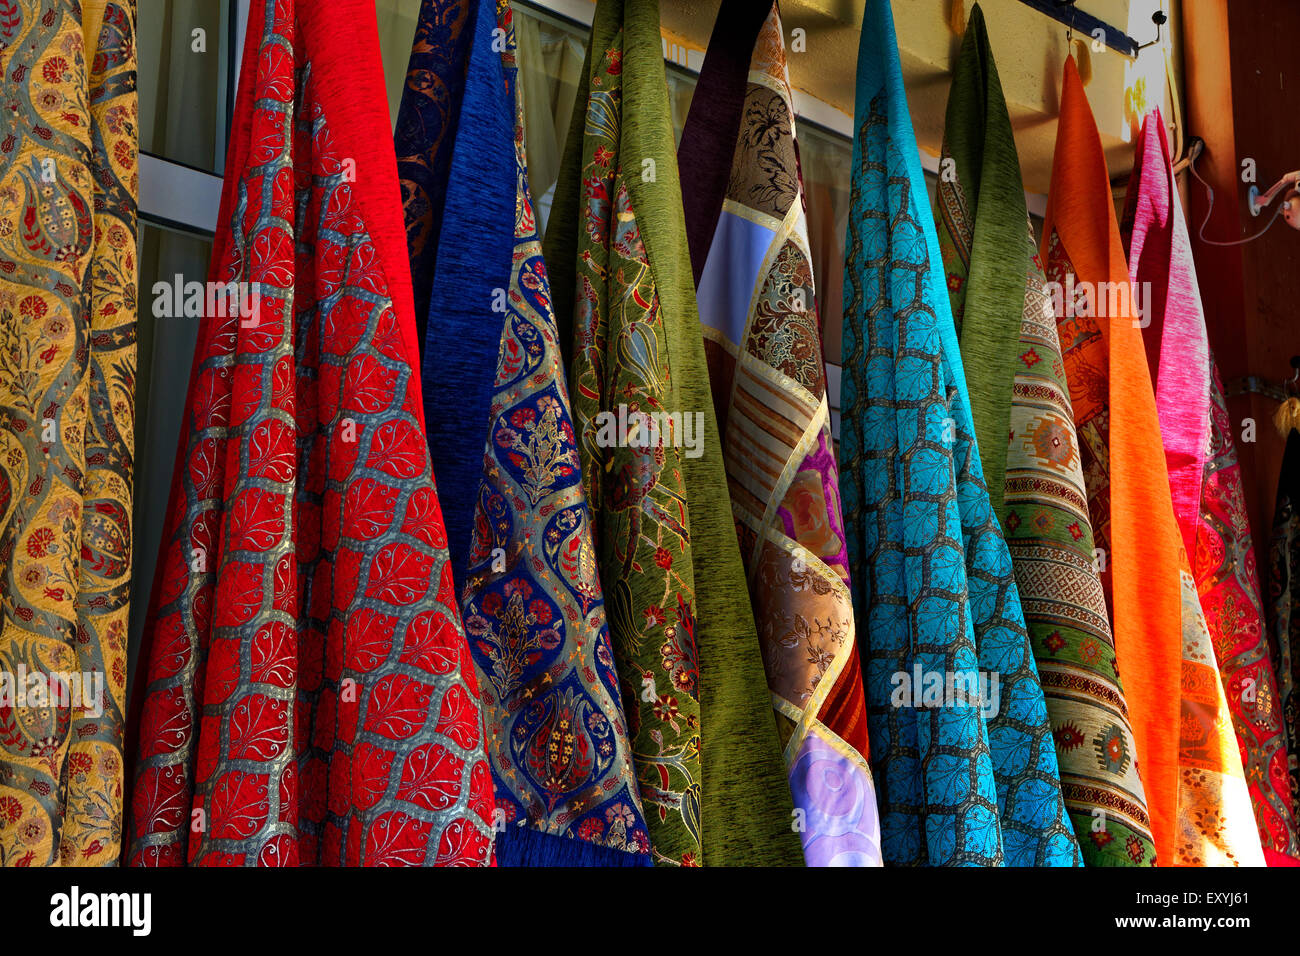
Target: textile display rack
644, 433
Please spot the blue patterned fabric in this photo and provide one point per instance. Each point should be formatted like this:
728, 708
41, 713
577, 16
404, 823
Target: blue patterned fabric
509, 477
427, 121
957, 783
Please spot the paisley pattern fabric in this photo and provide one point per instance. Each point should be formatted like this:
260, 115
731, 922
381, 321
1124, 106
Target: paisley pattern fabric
1195, 787
705, 747
1282, 606
1209, 501
763, 342
531, 599
68, 187
309, 695
962, 780
427, 121
1019, 398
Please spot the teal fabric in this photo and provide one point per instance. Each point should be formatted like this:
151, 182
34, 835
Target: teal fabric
966, 779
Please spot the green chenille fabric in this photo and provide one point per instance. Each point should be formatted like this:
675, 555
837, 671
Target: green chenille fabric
1021, 403
979, 161
705, 743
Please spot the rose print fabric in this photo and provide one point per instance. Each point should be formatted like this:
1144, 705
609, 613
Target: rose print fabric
308, 695
68, 187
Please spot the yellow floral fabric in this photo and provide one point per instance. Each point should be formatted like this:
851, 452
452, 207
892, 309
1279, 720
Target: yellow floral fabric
68, 188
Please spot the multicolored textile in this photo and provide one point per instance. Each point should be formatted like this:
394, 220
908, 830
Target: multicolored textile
531, 600
427, 121
310, 697
1021, 408
1195, 788
705, 747
762, 339
960, 740
68, 187
1209, 501
1283, 605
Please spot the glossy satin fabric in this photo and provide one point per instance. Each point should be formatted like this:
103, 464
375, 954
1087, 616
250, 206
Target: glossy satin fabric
763, 342
309, 697
960, 780
68, 187
1021, 406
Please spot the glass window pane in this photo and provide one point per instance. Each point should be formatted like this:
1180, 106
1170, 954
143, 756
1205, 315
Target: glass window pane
164, 354
183, 49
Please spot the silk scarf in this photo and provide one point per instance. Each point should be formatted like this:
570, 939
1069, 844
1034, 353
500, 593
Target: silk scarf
960, 741
763, 343
68, 187
309, 695
1195, 788
705, 746
1020, 405
525, 568
1283, 605
1205, 480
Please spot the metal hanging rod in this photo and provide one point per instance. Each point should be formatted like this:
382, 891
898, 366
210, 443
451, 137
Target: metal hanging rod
1066, 11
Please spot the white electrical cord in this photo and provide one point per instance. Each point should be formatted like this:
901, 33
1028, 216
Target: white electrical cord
1209, 191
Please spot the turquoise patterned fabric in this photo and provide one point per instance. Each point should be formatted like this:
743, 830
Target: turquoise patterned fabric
960, 741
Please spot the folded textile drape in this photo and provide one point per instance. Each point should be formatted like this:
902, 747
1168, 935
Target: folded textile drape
748, 231
504, 452
427, 122
960, 741
1282, 607
704, 741
1196, 792
1020, 404
1209, 501
309, 696
68, 187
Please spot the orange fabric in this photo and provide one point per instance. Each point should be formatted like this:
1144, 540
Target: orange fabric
1144, 537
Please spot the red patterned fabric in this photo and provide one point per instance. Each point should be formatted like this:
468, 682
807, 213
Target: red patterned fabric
308, 694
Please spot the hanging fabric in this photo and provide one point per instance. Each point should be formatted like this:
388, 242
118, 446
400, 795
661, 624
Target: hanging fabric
427, 122
1196, 792
1020, 405
1205, 480
309, 693
525, 567
704, 742
1282, 607
748, 233
962, 780
68, 187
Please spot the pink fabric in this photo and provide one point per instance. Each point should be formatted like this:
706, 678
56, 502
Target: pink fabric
1160, 254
